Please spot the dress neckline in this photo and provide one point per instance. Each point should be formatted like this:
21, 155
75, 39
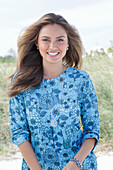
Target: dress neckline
45, 80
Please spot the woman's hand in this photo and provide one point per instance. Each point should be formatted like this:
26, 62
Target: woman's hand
71, 166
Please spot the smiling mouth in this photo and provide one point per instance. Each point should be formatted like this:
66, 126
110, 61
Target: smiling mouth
53, 54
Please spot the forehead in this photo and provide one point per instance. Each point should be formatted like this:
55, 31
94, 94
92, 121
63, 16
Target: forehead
52, 30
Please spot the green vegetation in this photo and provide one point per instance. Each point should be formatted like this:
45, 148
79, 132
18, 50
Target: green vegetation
7, 59
100, 68
6, 69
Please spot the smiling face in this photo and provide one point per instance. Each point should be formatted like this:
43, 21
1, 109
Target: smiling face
52, 43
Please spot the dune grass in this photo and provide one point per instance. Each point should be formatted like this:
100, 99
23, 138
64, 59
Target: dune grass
6, 69
100, 69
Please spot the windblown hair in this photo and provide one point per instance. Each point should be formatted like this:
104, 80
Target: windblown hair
29, 64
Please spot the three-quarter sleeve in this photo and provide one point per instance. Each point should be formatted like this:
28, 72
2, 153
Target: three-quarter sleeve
18, 120
89, 111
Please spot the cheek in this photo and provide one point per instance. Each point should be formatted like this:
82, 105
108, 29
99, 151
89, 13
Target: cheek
63, 47
42, 47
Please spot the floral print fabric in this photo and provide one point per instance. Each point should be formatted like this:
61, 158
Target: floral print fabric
30, 119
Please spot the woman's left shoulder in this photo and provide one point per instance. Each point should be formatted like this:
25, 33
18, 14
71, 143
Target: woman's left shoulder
79, 73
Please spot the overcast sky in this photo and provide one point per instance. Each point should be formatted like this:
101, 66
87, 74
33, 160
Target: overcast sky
92, 18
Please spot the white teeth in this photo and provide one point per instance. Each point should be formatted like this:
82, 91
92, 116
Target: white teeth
52, 53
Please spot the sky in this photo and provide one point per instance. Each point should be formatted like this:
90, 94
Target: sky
92, 18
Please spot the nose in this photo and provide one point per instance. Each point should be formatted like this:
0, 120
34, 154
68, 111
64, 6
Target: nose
52, 45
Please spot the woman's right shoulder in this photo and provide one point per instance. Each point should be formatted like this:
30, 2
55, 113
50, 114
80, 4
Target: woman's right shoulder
12, 81
14, 76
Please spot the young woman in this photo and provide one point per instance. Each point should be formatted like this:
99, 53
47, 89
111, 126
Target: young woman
50, 98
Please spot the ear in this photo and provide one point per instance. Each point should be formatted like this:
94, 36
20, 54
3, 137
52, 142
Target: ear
67, 46
36, 45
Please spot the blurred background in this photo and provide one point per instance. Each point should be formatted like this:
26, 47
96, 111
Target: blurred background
94, 21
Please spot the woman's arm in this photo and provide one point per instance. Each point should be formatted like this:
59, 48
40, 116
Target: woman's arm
85, 149
29, 156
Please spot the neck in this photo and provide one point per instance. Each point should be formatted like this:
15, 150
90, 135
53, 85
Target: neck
53, 70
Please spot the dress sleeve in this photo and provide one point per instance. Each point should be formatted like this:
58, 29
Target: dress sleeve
89, 111
18, 120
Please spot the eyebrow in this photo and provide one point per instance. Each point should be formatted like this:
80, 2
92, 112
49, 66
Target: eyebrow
62, 36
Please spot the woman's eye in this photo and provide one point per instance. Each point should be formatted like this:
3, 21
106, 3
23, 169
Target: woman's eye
45, 40
60, 40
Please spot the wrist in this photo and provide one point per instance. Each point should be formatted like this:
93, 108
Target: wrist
78, 163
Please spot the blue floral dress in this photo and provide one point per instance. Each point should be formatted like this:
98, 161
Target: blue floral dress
69, 99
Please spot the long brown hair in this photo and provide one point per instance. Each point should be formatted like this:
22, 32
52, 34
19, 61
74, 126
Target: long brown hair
29, 65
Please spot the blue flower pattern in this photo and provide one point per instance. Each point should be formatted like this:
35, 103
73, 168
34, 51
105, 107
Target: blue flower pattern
30, 119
